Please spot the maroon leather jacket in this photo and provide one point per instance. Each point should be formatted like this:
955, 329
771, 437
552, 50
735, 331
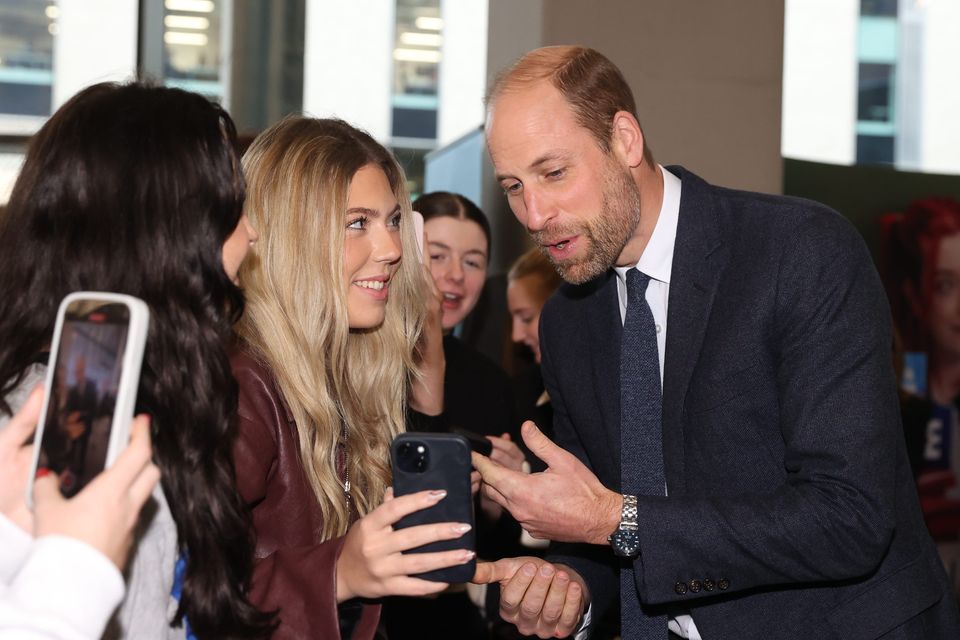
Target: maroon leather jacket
295, 570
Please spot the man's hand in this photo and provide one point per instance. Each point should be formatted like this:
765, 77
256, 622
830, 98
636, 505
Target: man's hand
566, 502
540, 598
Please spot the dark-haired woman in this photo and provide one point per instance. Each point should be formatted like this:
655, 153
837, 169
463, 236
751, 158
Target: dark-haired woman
137, 190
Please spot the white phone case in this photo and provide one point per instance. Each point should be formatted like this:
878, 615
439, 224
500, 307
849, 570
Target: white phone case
126, 395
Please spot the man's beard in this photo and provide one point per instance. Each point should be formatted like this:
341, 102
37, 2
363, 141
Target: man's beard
606, 235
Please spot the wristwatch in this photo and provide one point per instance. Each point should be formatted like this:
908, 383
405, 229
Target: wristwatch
626, 540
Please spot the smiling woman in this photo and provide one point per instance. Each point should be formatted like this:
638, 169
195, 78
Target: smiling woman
325, 363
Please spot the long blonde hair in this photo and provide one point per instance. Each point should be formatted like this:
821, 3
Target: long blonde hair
298, 178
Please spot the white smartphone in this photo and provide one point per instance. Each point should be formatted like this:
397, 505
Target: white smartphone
418, 233
92, 380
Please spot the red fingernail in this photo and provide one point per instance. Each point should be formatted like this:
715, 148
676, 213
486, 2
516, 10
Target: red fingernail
42, 471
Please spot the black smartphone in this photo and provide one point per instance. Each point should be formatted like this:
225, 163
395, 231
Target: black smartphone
477, 442
431, 461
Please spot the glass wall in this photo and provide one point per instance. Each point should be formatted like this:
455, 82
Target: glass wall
27, 28
183, 44
873, 82
416, 72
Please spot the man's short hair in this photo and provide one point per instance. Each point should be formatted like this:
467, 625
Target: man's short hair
593, 86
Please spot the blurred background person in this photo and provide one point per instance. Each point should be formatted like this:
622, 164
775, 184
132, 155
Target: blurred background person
922, 275
530, 282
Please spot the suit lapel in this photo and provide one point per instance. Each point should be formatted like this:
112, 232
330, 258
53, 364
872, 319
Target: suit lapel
698, 264
605, 329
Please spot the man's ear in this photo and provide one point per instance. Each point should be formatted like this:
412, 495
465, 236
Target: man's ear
627, 139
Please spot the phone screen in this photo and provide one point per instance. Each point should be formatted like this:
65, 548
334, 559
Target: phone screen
83, 394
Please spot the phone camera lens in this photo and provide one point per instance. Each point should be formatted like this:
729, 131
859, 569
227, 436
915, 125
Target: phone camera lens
413, 457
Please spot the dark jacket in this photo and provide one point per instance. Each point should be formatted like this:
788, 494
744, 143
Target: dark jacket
791, 510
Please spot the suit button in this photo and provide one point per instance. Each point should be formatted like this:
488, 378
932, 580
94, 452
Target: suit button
708, 584
723, 584
680, 588
695, 586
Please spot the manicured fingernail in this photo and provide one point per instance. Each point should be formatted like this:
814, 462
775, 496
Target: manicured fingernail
42, 472
461, 528
438, 494
529, 570
468, 556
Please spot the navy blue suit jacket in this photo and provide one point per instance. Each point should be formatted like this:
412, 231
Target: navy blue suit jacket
791, 512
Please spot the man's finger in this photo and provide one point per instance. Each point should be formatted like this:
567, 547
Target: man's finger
496, 496
572, 610
495, 475
503, 569
542, 447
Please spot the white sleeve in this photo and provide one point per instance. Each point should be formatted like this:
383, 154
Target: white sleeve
14, 546
66, 590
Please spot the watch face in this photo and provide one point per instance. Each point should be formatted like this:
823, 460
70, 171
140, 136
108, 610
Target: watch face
625, 542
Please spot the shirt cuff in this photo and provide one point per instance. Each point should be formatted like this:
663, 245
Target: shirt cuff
583, 631
70, 581
16, 545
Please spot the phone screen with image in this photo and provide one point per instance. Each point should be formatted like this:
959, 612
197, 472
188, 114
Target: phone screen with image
83, 392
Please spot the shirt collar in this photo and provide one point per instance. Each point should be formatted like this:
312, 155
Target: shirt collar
657, 258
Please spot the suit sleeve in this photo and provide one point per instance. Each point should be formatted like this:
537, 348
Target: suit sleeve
297, 581
594, 563
832, 518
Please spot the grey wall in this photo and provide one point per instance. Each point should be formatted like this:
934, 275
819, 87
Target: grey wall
707, 77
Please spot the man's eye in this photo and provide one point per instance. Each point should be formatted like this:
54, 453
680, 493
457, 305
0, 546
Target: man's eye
556, 173
513, 188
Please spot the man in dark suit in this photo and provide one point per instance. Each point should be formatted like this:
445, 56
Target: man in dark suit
766, 493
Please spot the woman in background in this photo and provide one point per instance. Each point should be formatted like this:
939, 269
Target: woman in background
325, 363
136, 189
530, 282
922, 274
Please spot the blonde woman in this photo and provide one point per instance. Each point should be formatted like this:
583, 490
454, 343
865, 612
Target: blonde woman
335, 306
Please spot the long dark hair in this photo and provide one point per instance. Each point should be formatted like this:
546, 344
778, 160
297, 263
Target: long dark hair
134, 189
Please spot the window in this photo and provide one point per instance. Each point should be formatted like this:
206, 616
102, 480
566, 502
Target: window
27, 28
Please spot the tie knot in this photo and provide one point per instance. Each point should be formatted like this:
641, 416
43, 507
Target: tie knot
636, 285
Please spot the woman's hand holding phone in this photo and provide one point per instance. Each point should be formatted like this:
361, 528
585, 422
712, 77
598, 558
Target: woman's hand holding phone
372, 563
105, 512
16, 460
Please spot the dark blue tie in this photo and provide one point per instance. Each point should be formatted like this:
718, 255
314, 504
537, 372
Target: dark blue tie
641, 439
